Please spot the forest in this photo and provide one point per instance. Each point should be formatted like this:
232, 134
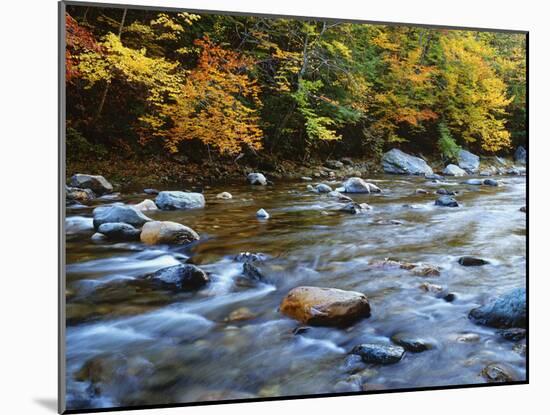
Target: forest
208, 87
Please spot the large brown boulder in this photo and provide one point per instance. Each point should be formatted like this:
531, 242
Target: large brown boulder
165, 232
325, 306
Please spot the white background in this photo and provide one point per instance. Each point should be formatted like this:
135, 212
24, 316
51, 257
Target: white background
28, 208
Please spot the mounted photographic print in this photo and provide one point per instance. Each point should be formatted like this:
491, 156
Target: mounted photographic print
258, 207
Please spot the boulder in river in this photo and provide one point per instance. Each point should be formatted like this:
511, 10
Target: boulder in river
119, 213
397, 162
355, 208
446, 201
358, 185
98, 184
473, 182
262, 214
175, 200
146, 205
454, 170
468, 161
497, 373
418, 269
325, 306
523, 209
323, 188
252, 271
181, 276
490, 182
224, 195
250, 257
411, 343
119, 231
509, 310
257, 179
383, 354
520, 156
75, 194
165, 232
470, 261
445, 192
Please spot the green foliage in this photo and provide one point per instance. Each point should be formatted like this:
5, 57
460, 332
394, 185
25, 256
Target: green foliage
79, 148
446, 143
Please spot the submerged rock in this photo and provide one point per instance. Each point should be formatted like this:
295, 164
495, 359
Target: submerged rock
98, 184
421, 192
262, 214
182, 276
397, 162
419, 269
379, 353
470, 261
166, 232
473, 182
323, 188
250, 257
119, 231
224, 195
175, 200
119, 213
411, 343
256, 179
146, 205
490, 182
509, 310
240, 314
445, 192
454, 170
446, 201
513, 334
358, 185
252, 271
468, 161
520, 156
325, 306
497, 373
355, 208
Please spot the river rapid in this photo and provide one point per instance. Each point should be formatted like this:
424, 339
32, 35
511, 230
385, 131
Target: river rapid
129, 344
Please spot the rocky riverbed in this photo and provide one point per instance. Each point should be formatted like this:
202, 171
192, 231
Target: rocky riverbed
294, 287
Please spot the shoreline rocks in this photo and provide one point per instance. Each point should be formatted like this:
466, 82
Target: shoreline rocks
166, 232
454, 170
468, 161
397, 162
176, 200
96, 183
325, 306
256, 179
520, 156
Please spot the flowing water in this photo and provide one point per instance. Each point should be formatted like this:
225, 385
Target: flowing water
148, 346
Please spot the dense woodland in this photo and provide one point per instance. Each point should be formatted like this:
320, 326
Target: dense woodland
143, 83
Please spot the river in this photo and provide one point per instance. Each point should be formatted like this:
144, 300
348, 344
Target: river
147, 346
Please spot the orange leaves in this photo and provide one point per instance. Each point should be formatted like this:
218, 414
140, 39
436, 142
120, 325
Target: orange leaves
217, 104
78, 40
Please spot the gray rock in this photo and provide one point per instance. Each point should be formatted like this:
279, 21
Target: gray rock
334, 164
98, 184
397, 162
520, 156
75, 194
446, 201
421, 192
509, 310
262, 214
468, 161
306, 178
454, 170
411, 343
347, 161
119, 231
355, 208
250, 257
470, 261
516, 171
175, 200
256, 179
252, 271
119, 213
146, 205
379, 353
358, 185
473, 182
497, 373
513, 334
433, 176
323, 188
182, 276
490, 182
151, 191
445, 192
